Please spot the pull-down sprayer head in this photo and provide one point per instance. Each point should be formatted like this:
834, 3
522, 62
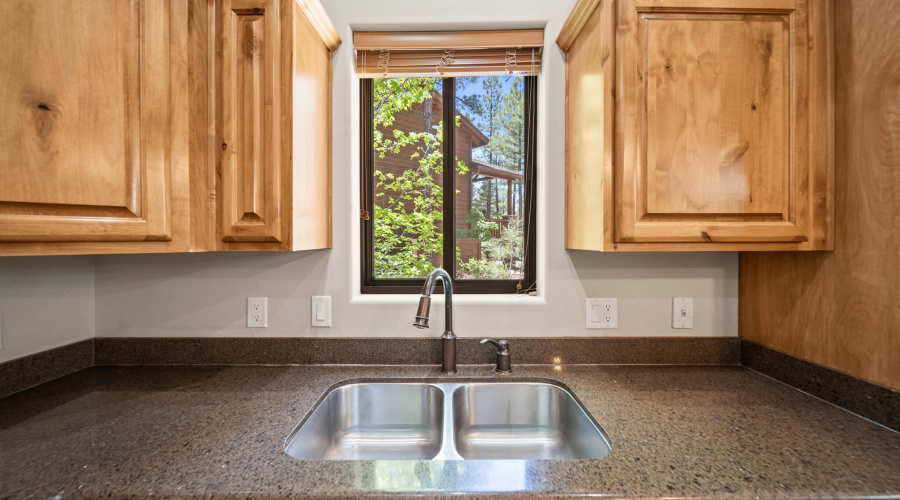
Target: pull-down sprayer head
422, 313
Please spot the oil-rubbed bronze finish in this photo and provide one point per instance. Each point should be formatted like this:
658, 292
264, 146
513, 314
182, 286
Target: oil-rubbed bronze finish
422, 313
448, 339
448, 357
503, 362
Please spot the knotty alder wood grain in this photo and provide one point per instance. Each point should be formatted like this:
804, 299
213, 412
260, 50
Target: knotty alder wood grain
99, 100
590, 77
201, 71
249, 120
311, 133
710, 97
273, 124
91, 126
840, 309
722, 127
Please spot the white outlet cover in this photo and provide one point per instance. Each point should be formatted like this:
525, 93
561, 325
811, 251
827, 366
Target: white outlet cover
682, 312
601, 314
257, 312
320, 312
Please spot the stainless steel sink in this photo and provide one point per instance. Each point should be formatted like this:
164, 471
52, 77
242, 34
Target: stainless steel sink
371, 421
437, 420
530, 421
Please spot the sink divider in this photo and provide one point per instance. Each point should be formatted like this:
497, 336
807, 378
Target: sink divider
448, 440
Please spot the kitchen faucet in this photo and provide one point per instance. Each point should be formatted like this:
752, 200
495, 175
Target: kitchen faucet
448, 339
503, 363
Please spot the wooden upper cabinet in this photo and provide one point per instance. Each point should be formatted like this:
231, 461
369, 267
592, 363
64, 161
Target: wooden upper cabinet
699, 125
93, 124
164, 126
273, 124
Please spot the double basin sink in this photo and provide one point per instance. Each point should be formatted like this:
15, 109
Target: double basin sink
459, 420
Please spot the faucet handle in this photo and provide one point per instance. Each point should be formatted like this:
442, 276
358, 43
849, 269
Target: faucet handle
502, 346
503, 362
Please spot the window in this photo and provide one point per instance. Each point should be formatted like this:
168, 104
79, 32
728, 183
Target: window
448, 181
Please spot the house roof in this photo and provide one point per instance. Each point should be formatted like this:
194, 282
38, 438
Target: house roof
484, 170
478, 137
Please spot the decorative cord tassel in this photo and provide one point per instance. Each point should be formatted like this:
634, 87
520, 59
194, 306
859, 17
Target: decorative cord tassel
384, 60
510, 60
446, 60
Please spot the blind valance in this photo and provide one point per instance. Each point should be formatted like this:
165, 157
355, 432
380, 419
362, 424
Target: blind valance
465, 53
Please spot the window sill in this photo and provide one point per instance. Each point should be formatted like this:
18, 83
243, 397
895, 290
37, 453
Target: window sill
438, 298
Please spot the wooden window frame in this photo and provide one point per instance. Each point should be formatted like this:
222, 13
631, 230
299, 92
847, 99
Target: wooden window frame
371, 285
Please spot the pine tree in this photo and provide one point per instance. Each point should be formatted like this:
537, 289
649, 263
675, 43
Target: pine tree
488, 119
511, 143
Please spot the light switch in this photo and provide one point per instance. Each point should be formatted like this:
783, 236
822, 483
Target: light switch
682, 312
596, 313
321, 311
601, 313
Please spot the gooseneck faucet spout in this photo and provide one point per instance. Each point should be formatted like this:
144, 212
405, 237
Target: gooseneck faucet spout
448, 339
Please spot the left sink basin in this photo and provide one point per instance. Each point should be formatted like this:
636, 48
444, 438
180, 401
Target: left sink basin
371, 421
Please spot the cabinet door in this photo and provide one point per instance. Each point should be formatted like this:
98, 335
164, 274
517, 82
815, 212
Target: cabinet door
249, 121
85, 103
713, 113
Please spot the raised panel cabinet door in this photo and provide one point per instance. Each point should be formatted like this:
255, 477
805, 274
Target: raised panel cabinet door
249, 121
713, 136
85, 104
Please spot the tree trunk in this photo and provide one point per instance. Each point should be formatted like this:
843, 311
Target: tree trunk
489, 194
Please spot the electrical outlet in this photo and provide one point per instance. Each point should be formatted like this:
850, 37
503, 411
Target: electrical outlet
682, 312
256, 312
601, 313
321, 311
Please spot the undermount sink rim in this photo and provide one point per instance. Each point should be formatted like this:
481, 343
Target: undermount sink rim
454, 384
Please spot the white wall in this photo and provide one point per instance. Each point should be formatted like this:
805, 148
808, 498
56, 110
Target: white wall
45, 302
205, 294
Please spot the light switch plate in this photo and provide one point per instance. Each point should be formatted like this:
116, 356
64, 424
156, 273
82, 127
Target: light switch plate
682, 312
601, 313
321, 311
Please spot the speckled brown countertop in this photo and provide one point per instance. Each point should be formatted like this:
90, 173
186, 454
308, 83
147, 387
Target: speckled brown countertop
718, 432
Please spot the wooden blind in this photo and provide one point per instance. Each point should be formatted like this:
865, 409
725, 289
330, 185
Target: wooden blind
465, 53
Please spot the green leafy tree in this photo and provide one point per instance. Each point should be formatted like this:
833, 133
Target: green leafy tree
409, 206
479, 228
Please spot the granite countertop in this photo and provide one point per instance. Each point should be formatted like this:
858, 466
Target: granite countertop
213, 432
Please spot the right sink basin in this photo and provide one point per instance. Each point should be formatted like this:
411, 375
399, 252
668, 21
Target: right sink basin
523, 421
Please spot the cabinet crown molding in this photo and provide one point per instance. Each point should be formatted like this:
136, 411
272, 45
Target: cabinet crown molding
317, 16
576, 21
